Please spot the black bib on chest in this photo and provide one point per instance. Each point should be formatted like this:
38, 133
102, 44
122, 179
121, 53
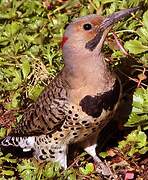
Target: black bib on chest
94, 105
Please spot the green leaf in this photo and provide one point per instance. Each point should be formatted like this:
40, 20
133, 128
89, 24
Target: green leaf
144, 60
134, 2
13, 77
145, 19
107, 1
139, 115
4, 41
135, 47
142, 32
25, 67
7, 172
12, 28
35, 91
73, 176
84, 11
14, 103
103, 154
8, 158
27, 170
89, 168
142, 139
145, 128
52, 169
144, 150
49, 172
2, 132
83, 171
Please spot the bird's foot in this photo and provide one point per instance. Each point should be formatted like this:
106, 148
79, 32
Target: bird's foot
101, 167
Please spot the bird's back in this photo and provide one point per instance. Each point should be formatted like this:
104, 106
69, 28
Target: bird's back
47, 113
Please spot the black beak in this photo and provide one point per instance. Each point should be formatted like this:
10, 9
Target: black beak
109, 21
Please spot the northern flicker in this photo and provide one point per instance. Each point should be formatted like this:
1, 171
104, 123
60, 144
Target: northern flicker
79, 102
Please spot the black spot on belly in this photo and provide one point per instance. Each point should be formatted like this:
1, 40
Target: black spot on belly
94, 105
52, 156
61, 135
43, 151
70, 112
42, 157
51, 152
65, 127
74, 133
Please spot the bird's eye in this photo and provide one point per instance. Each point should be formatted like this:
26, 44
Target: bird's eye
87, 27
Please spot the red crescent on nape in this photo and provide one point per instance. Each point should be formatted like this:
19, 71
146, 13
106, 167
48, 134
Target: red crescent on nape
64, 39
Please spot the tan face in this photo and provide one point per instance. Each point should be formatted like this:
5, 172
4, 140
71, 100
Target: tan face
80, 31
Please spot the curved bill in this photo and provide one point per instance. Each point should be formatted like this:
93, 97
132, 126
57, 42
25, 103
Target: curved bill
109, 21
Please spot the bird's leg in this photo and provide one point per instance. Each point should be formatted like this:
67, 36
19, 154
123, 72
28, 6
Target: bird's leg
62, 159
100, 166
61, 155
89, 146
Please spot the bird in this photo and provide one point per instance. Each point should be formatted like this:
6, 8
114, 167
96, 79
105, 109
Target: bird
78, 102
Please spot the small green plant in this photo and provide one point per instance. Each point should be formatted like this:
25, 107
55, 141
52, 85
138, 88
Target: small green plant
88, 169
136, 142
7, 165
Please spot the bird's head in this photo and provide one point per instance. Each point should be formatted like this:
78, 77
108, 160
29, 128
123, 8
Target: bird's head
87, 34
80, 31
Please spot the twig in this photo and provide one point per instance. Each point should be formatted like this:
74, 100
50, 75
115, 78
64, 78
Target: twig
90, 1
76, 160
119, 44
133, 79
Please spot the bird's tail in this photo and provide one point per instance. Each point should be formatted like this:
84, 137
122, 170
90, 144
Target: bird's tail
26, 143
